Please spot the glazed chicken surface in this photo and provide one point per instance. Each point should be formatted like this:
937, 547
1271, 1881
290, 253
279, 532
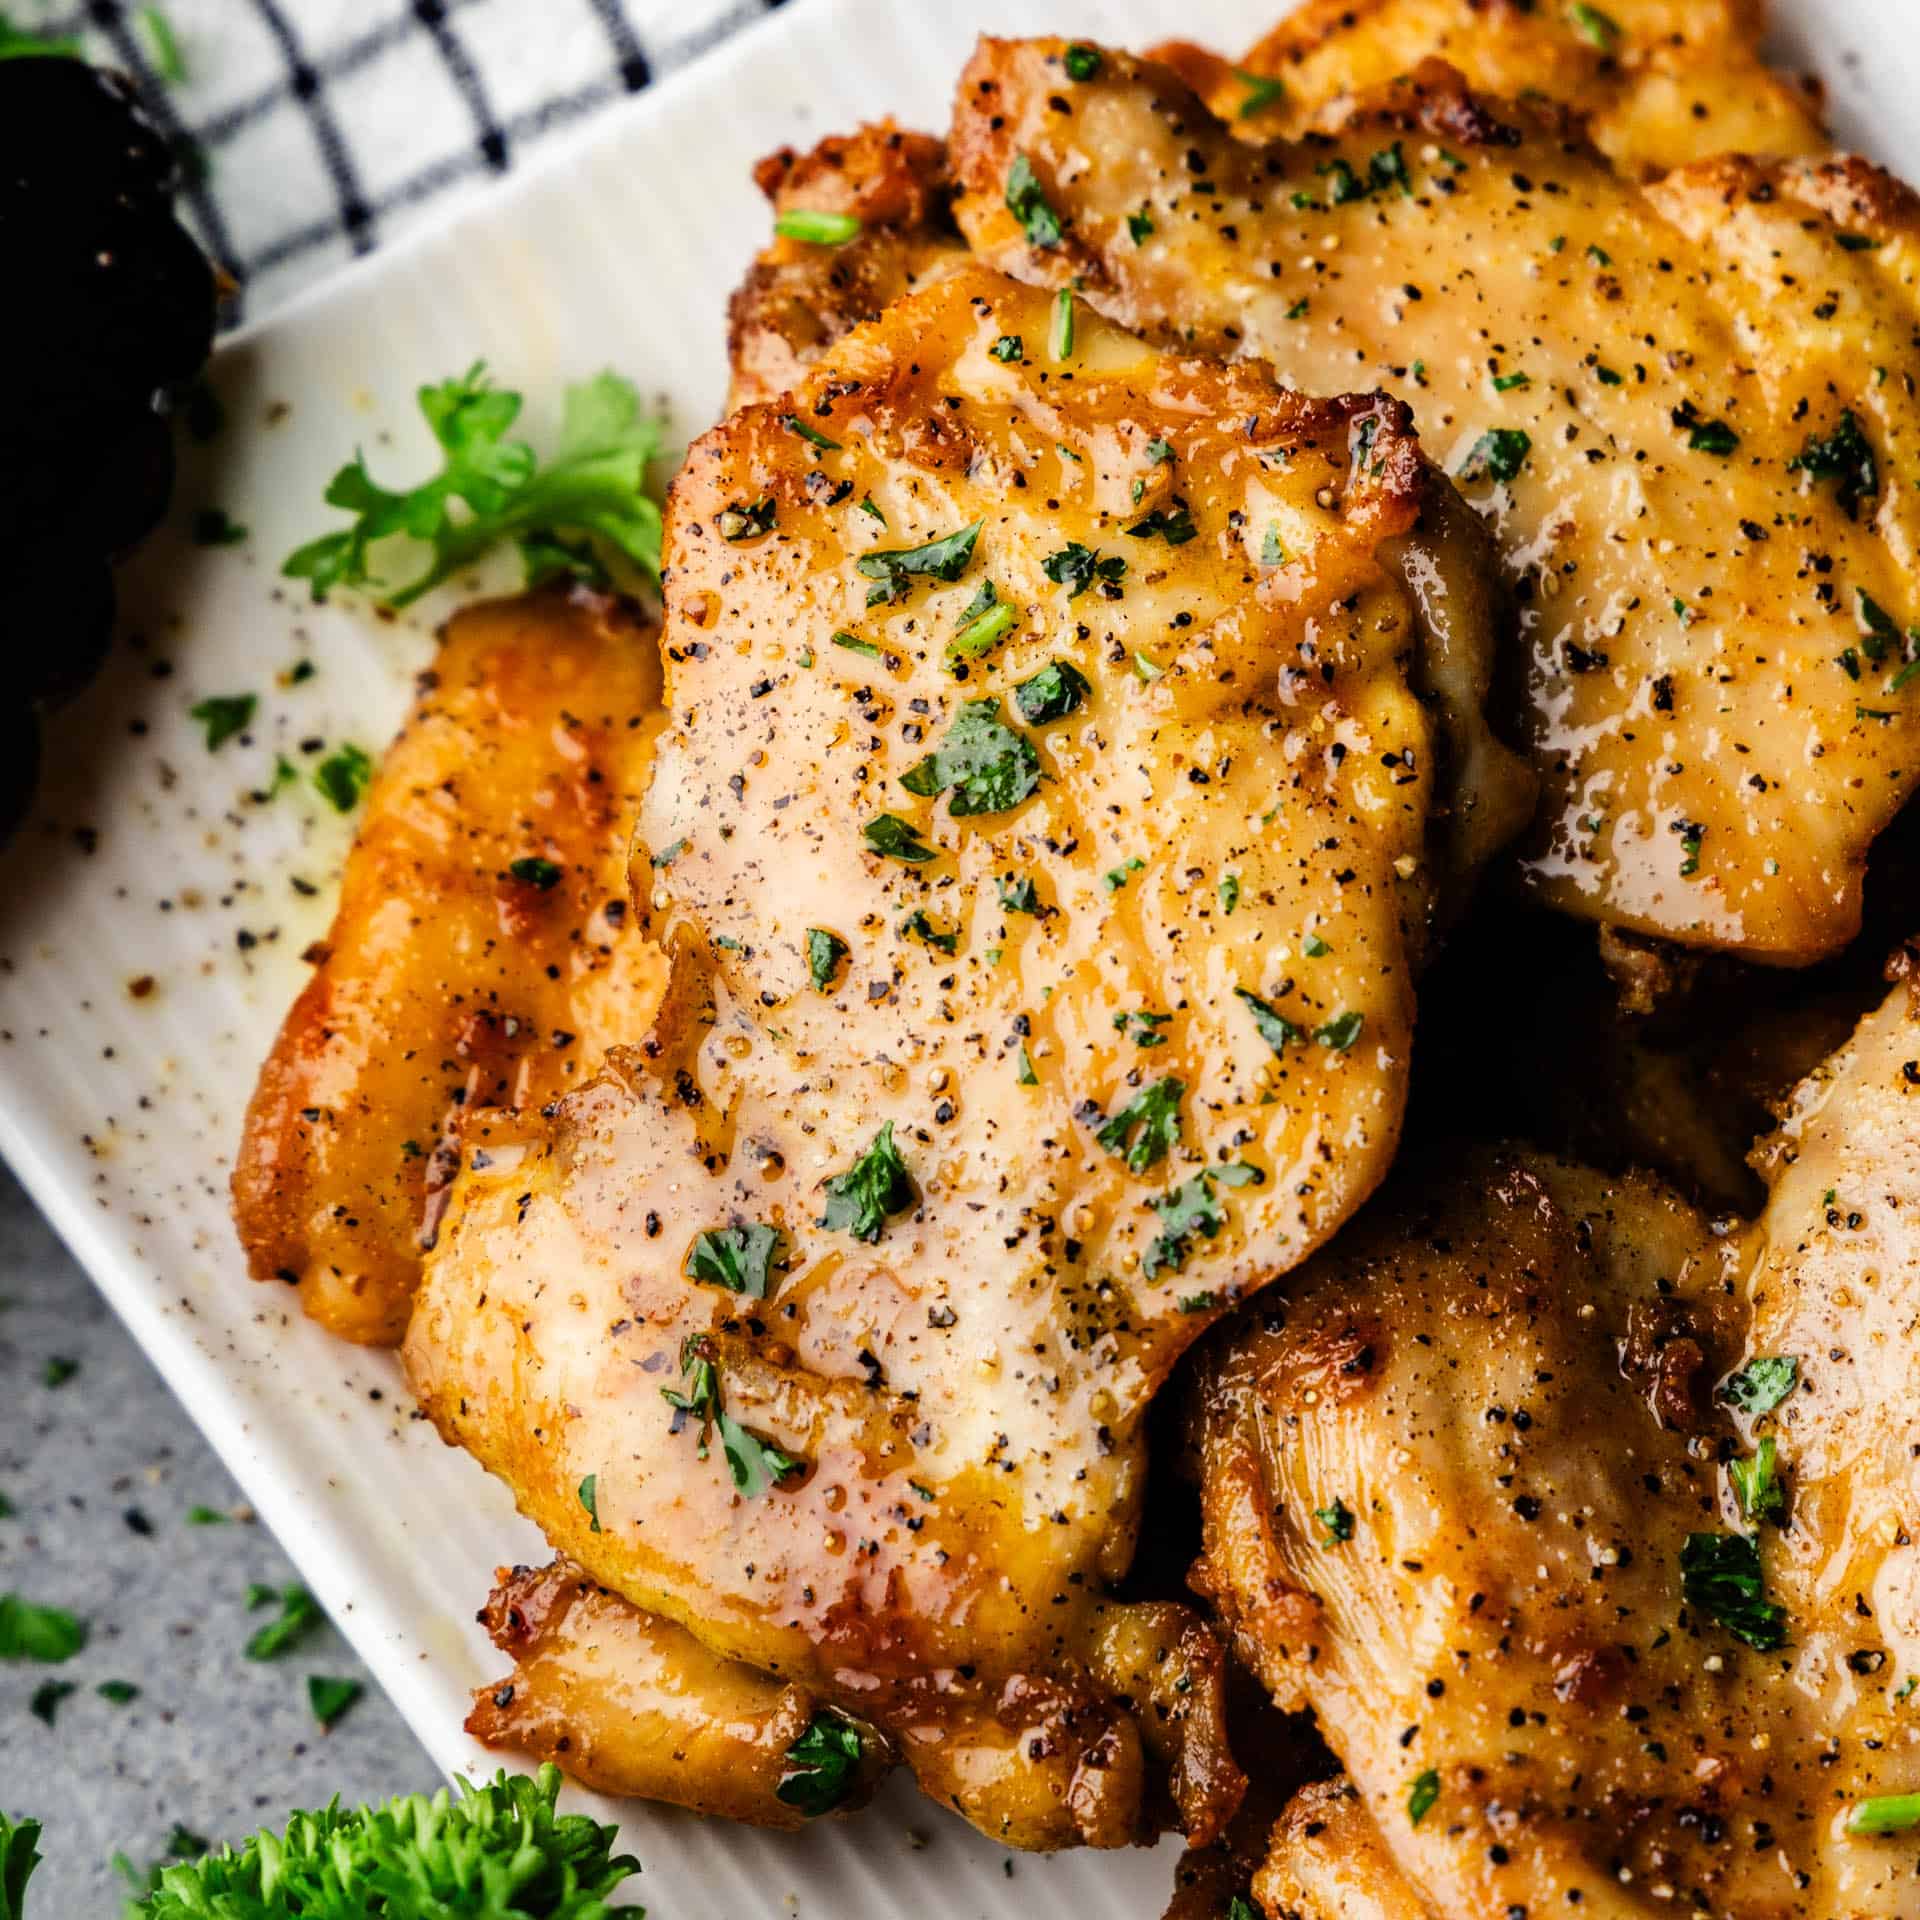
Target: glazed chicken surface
1657, 82
483, 952
1582, 1530
1040, 838
1683, 410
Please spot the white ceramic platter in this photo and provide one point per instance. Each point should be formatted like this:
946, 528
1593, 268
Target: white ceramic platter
149, 863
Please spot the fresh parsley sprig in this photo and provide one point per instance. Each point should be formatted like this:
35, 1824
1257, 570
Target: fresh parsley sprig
589, 502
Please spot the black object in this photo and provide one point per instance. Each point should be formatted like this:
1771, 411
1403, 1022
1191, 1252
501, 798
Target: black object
107, 319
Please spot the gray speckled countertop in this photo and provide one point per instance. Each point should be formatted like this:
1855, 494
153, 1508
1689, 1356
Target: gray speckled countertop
100, 1473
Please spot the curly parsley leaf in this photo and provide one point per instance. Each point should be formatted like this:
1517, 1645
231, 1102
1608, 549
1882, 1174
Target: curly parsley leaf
823, 1765
876, 1185
989, 765
1147, 1127
1720, 1574
495, 1848
492, 489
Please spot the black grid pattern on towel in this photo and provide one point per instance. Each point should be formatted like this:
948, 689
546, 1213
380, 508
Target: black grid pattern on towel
285, 141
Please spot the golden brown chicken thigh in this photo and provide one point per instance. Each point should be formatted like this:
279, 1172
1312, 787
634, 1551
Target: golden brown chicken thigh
1042, 839
1684, 411
1658, 83
1584, 1532
483, 953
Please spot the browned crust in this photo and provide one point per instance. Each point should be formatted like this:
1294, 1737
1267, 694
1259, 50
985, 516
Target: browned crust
1851, 192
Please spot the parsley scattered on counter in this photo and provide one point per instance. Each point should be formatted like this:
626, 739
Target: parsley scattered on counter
1720, 1574
876, 1185
1147, 1127
299, 1615
1425, 1791
341, 778
1058, 689
329, 1698
823, 1765
47, 1697
1846, 457
117, 1692
1498, 454
896, 839
46, 1634
208, 1517
533, 871
1762, 1383
1337, 1521
595, 486
894, 570
1077, 567
1027, 202
163, 46
223, 715
588, 1493
825, 951
817, 228
989, 765
58, 1370
1275, 1028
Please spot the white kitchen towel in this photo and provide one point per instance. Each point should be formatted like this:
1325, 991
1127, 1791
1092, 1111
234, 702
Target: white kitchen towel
313, 130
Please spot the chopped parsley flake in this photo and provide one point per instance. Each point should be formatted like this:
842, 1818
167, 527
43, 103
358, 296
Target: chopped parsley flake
46, 1634
588, 1493
1420, 1800
989, 765
1765, 1381
341, 778
894, 570
817, 228
896, 839
739, 1258
1846, 457
532, 871
1018, 895
917, 926
223, 715
1713, 436
1078, 567
1027, 202
1341, 1031
298, 1616
823, 1765
1081, 62
1274, 1027
1117, 877
812, 435
1009, 349
329, 1699
1173, 524
1140, 226
1498, 454
1599, 29
825, 951
1262, 92
1337, 1521
1147, 1127
1720, 1574
1229, 893
876, 1185
1756, 1482
1058, 689
986, 621
1192, 1210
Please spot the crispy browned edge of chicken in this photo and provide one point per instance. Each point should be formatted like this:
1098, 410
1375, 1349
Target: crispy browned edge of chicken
799, 297
350, 1120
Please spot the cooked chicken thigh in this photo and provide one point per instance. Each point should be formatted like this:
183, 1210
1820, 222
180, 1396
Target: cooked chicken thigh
483, 953
1658, 82
1684, 410
1041, 837
1577, 1633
